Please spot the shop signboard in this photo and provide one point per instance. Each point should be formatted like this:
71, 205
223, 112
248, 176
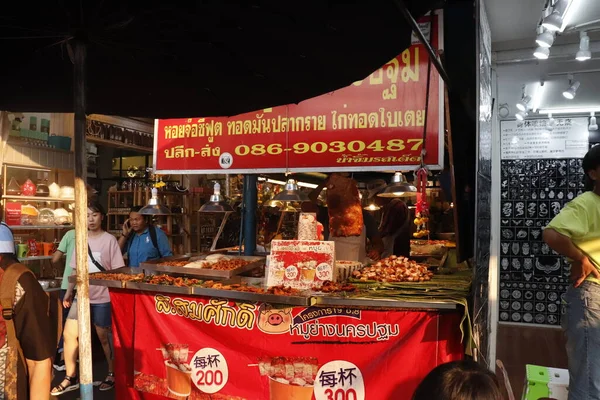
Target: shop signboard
373, 124
207, 348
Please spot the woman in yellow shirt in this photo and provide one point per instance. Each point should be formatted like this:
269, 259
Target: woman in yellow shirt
577, 227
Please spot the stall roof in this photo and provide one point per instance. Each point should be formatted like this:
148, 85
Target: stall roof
203, 58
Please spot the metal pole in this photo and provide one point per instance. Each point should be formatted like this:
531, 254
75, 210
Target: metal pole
250, 200
81, 234
415, 27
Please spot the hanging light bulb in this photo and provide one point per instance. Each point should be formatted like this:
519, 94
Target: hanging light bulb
398, 187
217, 203
584, 52
571, 92
154, 207
291, 193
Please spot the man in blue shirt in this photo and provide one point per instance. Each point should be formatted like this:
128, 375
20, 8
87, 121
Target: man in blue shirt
141, 241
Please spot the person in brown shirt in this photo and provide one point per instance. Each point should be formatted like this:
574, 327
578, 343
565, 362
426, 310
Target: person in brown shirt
34, 331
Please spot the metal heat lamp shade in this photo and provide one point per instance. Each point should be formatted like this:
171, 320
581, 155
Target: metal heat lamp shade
154, 207
216, 203
372, 207
291, 193
398, 187
273, 204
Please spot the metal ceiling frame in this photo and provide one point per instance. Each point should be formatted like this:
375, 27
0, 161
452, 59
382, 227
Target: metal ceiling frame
415, 27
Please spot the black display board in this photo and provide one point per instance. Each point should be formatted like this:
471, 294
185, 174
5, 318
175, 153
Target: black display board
532, 276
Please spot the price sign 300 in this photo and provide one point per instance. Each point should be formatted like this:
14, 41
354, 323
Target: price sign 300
339, 380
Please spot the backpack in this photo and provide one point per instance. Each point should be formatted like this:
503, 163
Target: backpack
8, 284
153, 237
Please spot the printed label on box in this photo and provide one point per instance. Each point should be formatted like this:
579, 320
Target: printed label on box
301, 264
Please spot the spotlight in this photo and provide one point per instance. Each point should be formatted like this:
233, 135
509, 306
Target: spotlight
545, 39
584, 52
554, 21
542, 53
523, 105
593, 126
551, 123
520, 116
571, 92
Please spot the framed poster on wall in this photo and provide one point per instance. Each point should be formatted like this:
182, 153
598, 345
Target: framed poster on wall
540, 173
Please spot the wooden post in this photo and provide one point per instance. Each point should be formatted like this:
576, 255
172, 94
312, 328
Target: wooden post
81, 233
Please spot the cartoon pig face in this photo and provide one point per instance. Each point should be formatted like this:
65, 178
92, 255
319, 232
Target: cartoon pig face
274, 320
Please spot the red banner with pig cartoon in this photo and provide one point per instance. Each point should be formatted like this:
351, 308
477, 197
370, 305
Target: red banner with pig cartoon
206, 348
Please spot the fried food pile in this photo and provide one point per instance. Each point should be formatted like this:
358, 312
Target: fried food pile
223, 264
332, 287
241, 287
174, 263
172, 281
107, 276
394, 269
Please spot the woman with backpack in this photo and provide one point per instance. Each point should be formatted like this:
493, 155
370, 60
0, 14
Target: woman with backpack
103, 254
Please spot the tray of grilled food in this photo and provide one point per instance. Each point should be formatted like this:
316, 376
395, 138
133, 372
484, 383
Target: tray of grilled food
252, 290
115, 278
213, 266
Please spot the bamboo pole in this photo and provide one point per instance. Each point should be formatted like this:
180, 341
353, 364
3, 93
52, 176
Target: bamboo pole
81, 233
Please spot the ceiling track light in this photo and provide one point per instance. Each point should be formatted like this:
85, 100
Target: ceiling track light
542, 53
593, 126
544, 38
571, 92
521, 115
523, 104
584, 52
551, 123
554, 21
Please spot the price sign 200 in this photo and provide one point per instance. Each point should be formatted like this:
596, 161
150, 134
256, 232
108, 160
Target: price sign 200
209, 378
354, 146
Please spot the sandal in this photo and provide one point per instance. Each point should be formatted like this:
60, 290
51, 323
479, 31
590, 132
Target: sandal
109, 382
62, 389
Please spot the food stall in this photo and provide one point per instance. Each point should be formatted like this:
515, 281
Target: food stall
300, 323
217, 334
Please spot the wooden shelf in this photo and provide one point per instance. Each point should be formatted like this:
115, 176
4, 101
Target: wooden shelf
20, 142
120, 145
38, 199
33, 227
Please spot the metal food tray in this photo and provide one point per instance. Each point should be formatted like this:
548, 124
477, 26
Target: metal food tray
381, 303
107, 282
252, 297
202, 272
148, 287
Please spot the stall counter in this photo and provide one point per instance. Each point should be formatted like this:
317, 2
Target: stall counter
173, 345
